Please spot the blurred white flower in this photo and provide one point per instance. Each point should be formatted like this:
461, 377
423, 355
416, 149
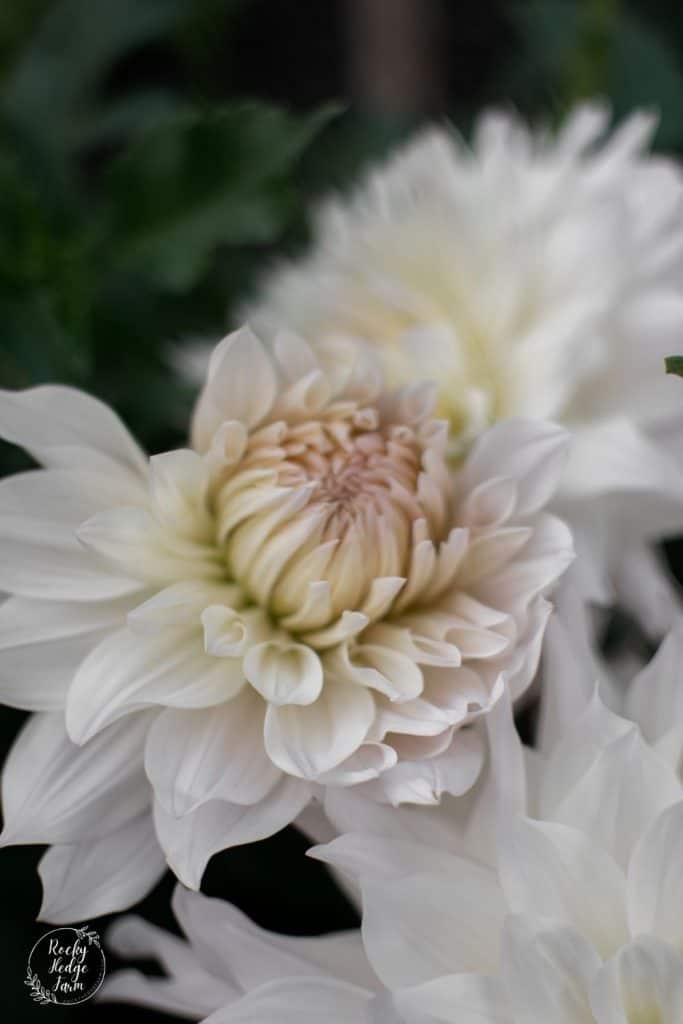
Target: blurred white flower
304, 599
528, 275
574, 918
232, 970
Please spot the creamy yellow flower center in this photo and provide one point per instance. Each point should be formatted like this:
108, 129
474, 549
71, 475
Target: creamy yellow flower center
315, 512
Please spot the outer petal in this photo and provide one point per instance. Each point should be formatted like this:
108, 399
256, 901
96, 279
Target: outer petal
61, 426
241, 385
189, 842
644, 982
217, 753
655, 697
420, 927
129, 671
655, 880
87, 879
307, 741
465, 998
533, 455
56, 792
623, 461
42, 643
190, 991
557, 872
228, 944
548, 971
40, 555
299, 1001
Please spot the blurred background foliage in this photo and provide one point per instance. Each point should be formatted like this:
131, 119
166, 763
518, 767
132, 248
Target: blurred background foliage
156, 155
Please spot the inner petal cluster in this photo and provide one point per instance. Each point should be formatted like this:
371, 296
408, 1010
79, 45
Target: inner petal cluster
316, 512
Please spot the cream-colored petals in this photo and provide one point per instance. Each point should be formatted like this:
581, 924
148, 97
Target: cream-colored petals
474, 266
129, 671
189, 842
284, 672
56, 792
132, 539
178, 484
196, 755
210, 604
87, 879
241, 385
378, 667
307, 741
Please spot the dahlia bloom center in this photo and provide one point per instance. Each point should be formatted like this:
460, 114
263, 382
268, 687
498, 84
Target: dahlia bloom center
314, 513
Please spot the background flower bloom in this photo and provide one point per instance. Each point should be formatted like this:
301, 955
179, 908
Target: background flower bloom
574, 919
529, 276
304, 599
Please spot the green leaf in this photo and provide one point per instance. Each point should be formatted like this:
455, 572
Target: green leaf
201, 181
68, 57
674, 364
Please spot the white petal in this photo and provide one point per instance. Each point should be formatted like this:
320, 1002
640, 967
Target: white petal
368, 762
42, 643
56, 792
187, 988
644, 982
589, 735
465, 998
193, 756
189, 842
307, 741
40, 555
87, 879
229, 944
568, 684
367, 664
624, 790
623, 461
129, 671
655, 881
529, 452
424, 782
420, 927
299, 1001
241, 385
558, 872
548, 970
655, 697
62, 426
284, 673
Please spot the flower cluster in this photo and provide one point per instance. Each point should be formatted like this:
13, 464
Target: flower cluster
448, 430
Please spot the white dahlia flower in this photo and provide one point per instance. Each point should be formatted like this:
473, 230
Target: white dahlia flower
574, 919
529, 275
305, 598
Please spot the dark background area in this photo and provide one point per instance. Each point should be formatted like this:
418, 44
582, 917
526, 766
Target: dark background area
156, 155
